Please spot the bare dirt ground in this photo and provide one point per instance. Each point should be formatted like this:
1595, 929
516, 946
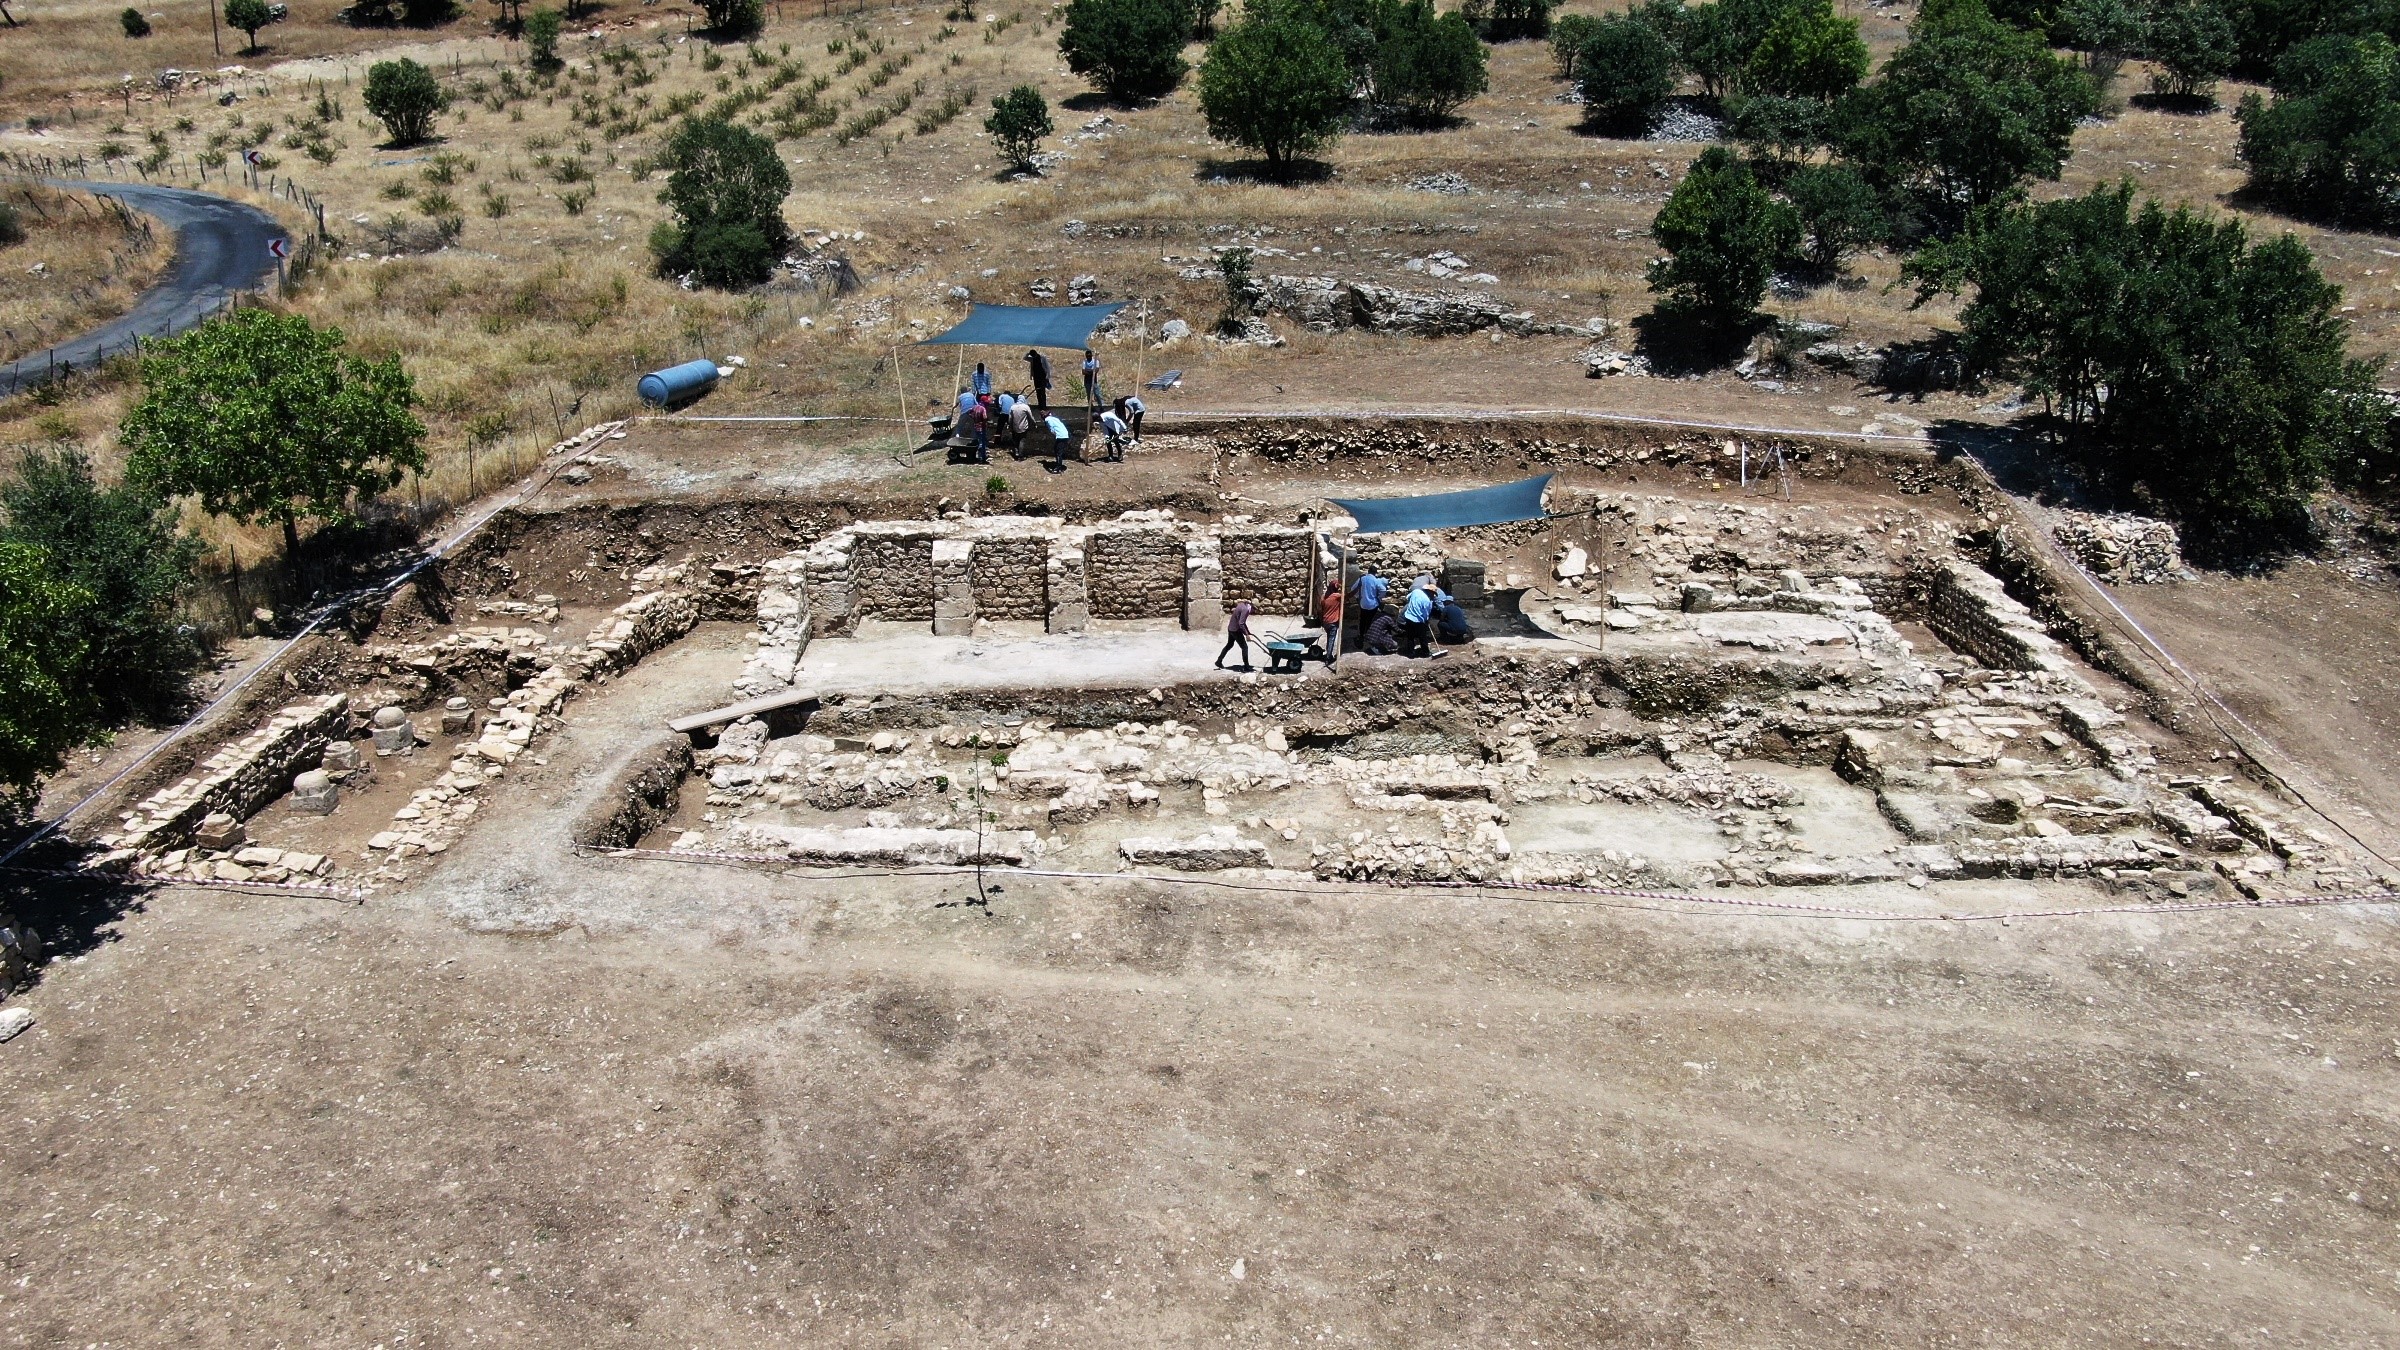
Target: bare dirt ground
536, 1099
2304, 657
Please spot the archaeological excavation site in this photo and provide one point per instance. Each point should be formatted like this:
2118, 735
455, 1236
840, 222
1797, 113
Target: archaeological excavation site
1688, 685
868, 912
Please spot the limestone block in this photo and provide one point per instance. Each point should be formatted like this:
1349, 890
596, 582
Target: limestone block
315, 793
889, 847
1464, 580
393, 735
220, 831
458, 718
1212, 852
339, 757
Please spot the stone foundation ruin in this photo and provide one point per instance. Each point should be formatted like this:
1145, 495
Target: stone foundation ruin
1689, 693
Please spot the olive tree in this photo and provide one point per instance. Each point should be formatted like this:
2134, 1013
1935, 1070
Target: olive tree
1276, 83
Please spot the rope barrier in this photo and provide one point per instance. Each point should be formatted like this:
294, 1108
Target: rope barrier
1765, 907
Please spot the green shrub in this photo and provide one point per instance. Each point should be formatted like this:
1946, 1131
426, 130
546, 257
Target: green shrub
2188, 364
1425, 65
1808, 52
1965, 111
541, 39
735, 18
1568, 33
249, 16
134, 22
120, 548
2329, 143
1130, 50
1020, 120
1838, 211
263, 417
726, 186
2192, 43
1276, 83
1724, 236
404, 96
1628, 70
1510, 20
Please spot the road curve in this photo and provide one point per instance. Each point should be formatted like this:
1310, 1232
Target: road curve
220, 251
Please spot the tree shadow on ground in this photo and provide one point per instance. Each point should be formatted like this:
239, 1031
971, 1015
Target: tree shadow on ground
73, 911
1678, 343
2180, 105
1261, 172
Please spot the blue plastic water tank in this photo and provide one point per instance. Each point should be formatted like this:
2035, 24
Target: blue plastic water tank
677, 383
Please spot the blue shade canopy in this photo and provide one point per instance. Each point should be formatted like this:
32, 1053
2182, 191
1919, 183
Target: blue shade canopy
1448, 510
1026, 326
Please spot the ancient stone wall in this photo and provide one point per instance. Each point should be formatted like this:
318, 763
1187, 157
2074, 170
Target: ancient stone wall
1011, 578
953, 587
893, 569
1269, 568
240, 778
1134, 574
637, 628
1967, 608
1067, 584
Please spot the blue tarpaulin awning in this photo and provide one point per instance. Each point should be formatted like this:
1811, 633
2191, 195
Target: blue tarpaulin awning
1448, 510
1026, 326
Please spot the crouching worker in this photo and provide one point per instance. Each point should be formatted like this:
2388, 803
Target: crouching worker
1450, 622
1383, 635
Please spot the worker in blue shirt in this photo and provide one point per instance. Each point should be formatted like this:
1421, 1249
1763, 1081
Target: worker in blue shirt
1424, 600
980, 381
1058, 442
1371, 591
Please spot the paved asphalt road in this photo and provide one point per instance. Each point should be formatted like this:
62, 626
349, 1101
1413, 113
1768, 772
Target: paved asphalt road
220, 251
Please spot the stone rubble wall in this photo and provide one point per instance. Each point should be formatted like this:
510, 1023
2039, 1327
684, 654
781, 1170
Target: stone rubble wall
784, 616
240, 778
1011, 578
1269, 569
893, 563
1134, 574
1967, 607
436, 815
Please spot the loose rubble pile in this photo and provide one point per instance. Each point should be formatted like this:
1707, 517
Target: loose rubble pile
2126, 549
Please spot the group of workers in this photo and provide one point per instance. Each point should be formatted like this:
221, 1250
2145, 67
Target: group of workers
1411, 627
1406, 628
1008, 417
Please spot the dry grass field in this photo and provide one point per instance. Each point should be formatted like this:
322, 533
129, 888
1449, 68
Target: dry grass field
79, 263
540, 305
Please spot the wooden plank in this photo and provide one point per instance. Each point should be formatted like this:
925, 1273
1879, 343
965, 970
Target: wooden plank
734, 712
